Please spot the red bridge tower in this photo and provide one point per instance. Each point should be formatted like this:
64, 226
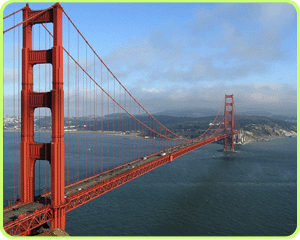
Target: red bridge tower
229, 123
31, 151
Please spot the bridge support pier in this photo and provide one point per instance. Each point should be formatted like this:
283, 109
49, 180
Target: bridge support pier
229, 123
59, 219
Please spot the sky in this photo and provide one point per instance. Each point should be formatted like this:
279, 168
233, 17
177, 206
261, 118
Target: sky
189, 55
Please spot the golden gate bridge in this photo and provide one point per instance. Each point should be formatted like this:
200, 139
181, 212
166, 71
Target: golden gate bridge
82, 133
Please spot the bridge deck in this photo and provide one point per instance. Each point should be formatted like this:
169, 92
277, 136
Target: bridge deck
13, 212
20, 219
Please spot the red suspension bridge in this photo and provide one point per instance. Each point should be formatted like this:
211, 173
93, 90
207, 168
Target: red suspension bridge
77, 131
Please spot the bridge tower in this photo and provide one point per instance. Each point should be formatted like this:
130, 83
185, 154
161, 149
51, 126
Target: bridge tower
31, 151
229, 123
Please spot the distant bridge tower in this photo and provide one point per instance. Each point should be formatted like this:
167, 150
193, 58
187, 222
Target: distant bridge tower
229, 123
31, 151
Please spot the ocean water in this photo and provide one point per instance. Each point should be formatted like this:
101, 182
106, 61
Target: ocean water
86, 154
204, 193
207, 192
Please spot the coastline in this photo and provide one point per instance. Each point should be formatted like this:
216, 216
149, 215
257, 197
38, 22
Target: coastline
250, 137
265, 138
101, 132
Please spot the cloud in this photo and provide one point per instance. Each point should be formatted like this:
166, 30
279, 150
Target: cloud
276, 98
213, 54
248, 31
152, 90
263, 96
227, 42
195, 64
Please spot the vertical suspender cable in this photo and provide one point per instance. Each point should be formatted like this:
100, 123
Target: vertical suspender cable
50, 119
45, 116
129, 129
139, 134
122, 130
87, 149
150, 134
33, 47
119, 127
154, 137
142, 134
68, 146
135, 132
126, 128
83, 125
39, 109
114, 123
14, 107
94, 147
76, 126
77, 111
96, 134
108, 157
101, 122
90, 129
84, 91
19, 92
134, 153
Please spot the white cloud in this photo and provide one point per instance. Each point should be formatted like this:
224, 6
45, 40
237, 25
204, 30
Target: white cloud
192, 65
152, 90
277, 98
230, 42
264, 97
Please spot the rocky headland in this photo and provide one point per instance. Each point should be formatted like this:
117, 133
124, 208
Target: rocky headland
264, 132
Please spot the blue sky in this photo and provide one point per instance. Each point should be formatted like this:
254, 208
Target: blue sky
188, 55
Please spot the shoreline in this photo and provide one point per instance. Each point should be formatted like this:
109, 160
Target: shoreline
135, 135
122, 134
266, 139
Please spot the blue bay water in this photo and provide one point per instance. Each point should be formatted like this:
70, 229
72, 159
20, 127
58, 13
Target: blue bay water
85, 154
204, 193
207, 192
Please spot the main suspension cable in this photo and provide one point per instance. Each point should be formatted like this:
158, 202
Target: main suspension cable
120, 82
32, 17
111, 96
13, 13
195, 139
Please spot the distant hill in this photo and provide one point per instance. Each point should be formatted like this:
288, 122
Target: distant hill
203, 112
256, 127
246, 121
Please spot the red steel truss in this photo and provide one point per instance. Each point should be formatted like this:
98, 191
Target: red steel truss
25, 223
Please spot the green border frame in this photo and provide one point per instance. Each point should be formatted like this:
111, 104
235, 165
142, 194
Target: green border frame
145, 237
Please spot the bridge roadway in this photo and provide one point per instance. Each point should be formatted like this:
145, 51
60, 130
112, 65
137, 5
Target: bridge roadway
89, 188
12, 213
